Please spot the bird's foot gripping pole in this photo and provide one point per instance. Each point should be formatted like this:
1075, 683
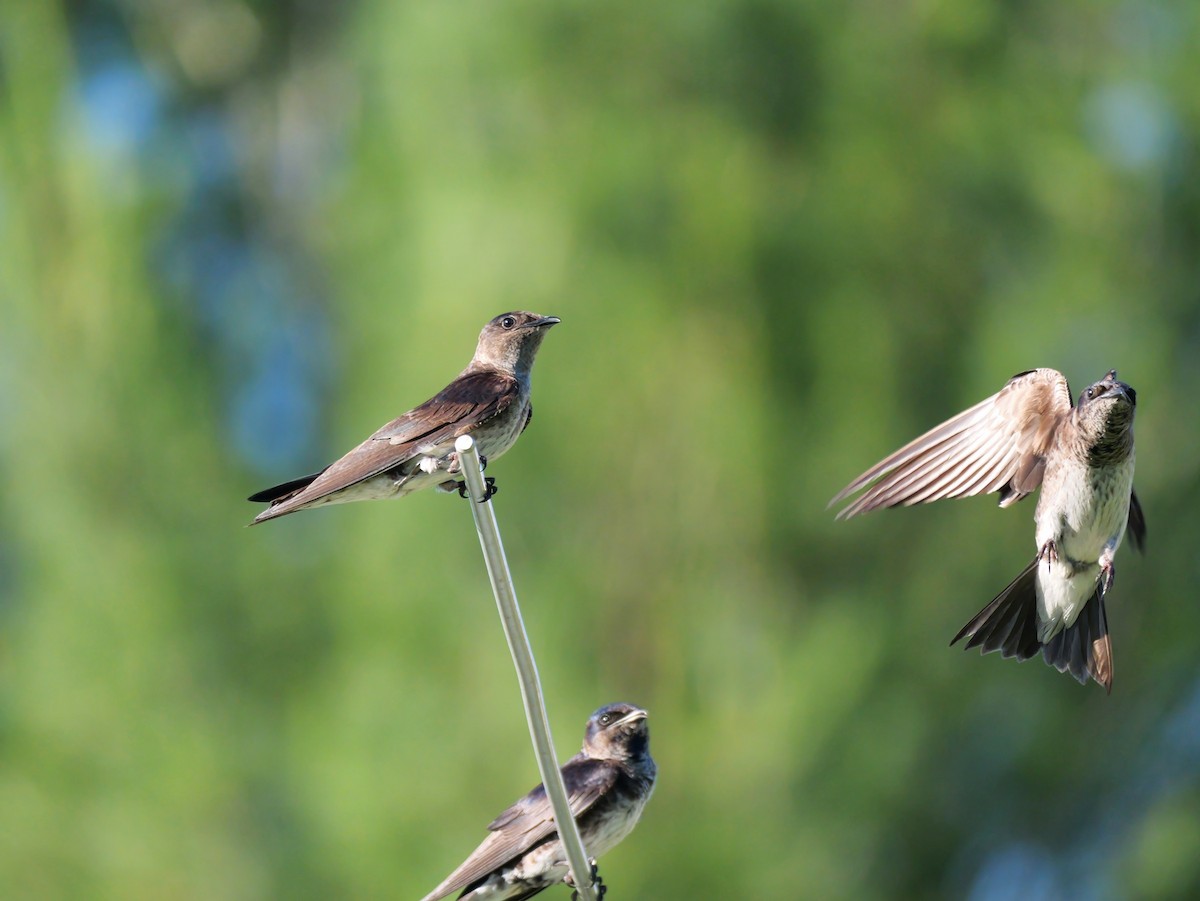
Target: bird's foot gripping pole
489, 481
597, 884
488, 494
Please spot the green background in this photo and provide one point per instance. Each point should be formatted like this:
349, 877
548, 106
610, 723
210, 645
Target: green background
783, 238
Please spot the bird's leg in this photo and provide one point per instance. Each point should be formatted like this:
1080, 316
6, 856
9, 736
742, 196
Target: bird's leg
1107, 570
597, 884
1048, 552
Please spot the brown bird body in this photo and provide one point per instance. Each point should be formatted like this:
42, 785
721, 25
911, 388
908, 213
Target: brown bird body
489, 400
1027, 436
608, 784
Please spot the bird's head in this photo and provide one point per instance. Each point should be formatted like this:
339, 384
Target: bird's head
511, 341
1106, 408
617, 732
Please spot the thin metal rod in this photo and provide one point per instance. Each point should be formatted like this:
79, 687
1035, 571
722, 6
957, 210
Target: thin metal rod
527, 675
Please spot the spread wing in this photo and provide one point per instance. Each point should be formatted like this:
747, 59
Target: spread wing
997, 445
529, 822
466, 403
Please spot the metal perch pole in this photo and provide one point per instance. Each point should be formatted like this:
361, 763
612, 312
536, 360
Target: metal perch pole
527, 676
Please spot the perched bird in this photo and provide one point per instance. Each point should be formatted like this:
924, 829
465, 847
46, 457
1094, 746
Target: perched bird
1028, 435
488, 400
608, 783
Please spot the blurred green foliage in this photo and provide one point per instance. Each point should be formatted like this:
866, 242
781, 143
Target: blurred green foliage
783, 237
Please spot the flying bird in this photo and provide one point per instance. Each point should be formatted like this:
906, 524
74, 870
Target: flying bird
1025, 436
608, 784
488, 400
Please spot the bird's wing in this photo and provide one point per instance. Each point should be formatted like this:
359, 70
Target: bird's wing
529, 822
999, 444
470, 400
1137, 523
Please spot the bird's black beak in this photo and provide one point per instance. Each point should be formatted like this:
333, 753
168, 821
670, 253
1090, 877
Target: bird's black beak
544, 322
1119, 389
632, 717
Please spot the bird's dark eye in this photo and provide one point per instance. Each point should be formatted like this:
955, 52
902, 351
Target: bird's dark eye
1091, 392
605, 719
508, 322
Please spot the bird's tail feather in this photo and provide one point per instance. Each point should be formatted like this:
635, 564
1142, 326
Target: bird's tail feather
278, 496
278, 493
1085, 649
466, 893
1009, 625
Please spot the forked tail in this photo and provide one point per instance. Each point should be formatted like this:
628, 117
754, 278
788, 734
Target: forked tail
1009, 625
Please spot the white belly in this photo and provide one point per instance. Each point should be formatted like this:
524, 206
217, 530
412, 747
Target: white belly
1085, 516
1062, 593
